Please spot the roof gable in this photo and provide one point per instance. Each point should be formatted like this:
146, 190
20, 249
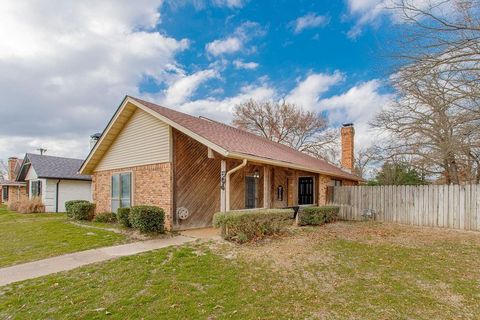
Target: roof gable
50, 167
226, 140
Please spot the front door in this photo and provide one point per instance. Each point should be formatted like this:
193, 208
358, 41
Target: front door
250, 192
305, 190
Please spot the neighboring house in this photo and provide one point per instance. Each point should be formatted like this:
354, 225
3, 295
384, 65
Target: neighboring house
193, 167
12, 190
55, 180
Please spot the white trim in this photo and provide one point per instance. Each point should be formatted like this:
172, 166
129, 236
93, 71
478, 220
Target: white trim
102, 137
284, 164
223, 171
132, 185
170, 137
267, 201
181, 128
227, 183
171, 123
202, 140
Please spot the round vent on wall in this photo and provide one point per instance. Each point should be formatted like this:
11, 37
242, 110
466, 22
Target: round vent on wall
182, 213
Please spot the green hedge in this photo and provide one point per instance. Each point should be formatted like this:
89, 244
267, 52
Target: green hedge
248, 225
82, 210
105, 217
147, 218
317, 215
123, 217
69, 204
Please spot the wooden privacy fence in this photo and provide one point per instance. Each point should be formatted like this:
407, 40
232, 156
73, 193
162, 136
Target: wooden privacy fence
445, 206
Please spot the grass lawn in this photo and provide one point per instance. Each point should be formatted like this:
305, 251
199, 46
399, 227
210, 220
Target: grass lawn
338, 271
27, 237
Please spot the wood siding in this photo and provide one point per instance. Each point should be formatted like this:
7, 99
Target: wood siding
197, 182
237, 185
143, 140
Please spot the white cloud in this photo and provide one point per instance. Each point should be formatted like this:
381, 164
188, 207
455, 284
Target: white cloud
309, 21
65, 66
308, 91
239, 64
225, 46
221, 109
235, 42
183, 88
365, 12
369, 12
358, 105
229, 3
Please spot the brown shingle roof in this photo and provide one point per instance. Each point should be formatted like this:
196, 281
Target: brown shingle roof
235, 140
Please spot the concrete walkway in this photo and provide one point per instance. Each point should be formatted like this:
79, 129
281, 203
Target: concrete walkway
71, 261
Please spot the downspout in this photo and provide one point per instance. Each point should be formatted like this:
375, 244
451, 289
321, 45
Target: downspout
227, 183
56, 196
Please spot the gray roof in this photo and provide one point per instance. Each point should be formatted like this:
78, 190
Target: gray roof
50, 167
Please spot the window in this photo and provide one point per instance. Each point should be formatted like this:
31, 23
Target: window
36, 188
5, 193
280, 193
121, 191
337, 183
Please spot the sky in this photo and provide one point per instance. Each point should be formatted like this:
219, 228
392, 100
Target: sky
65, 66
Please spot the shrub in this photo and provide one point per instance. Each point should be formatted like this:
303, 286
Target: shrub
317, 215
147, 218
123, 217
82, 210
106, 217
69, 204
33, 205
248, 225
13, 205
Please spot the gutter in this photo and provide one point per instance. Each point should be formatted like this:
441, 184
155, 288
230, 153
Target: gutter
227, 183
289, 165
56, 195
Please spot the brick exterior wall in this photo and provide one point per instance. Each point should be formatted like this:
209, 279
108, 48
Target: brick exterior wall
15, 194
151, 185
323, 182
347, 134
12, 163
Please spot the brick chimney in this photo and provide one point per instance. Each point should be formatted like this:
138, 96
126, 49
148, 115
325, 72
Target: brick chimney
348, 134
12, 163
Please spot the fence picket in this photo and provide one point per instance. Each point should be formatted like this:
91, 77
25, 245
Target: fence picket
443, 206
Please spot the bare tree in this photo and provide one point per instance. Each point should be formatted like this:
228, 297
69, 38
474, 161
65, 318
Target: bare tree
365, 160
288, 124
435, 121
3, 170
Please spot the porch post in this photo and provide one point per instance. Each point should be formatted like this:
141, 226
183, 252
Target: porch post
266, 187
223, 174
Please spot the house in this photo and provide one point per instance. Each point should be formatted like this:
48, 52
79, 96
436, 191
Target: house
193, 167
12, 190
55, 180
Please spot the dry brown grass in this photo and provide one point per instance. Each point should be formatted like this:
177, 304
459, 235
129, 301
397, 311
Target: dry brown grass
285, 252
13, 205
33, 205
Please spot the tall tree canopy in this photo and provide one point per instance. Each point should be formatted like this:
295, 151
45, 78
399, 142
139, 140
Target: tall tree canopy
435, 120
397, 173
288, 124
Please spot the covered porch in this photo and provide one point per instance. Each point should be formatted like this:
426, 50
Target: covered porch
206, 182
249, 185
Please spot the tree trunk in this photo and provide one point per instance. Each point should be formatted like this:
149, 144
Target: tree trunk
453, 169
